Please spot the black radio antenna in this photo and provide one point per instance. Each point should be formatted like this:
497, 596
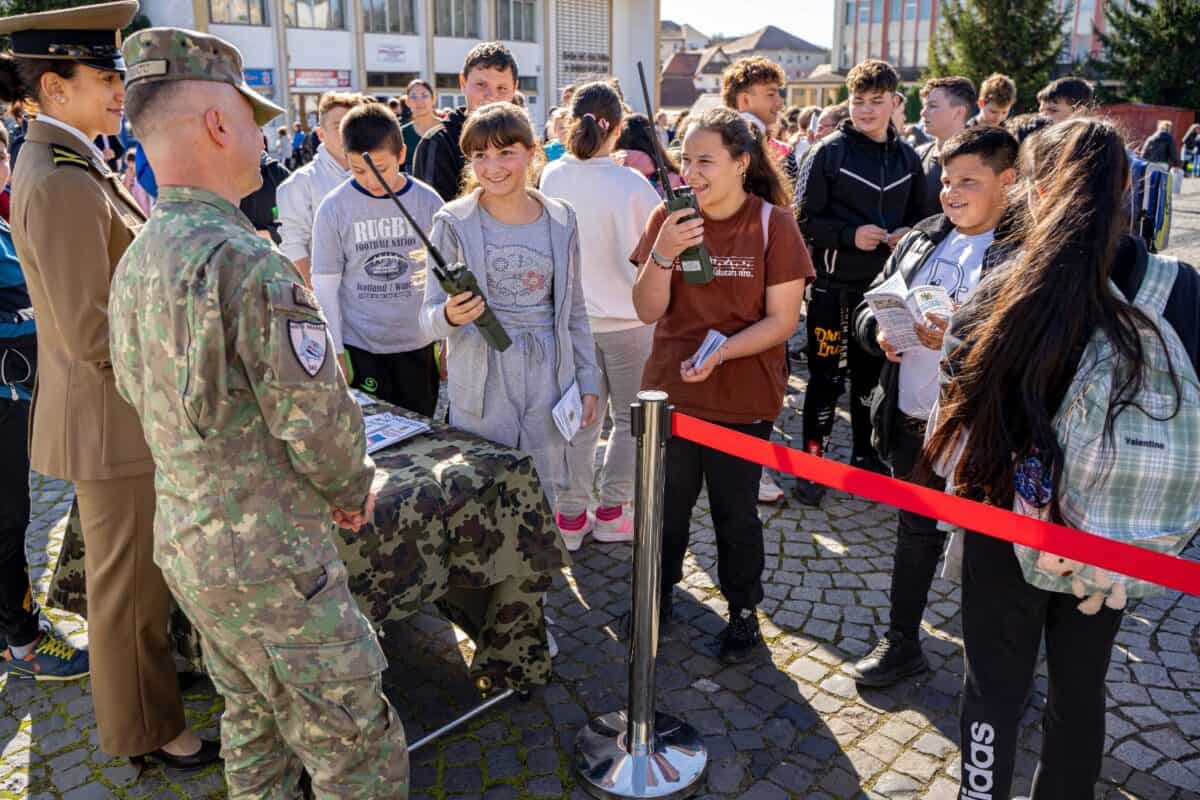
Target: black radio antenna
433, 251
664, 177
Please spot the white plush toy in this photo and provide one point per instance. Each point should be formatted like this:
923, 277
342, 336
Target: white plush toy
1100, 590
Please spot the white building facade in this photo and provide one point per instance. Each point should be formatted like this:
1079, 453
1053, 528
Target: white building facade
294, 50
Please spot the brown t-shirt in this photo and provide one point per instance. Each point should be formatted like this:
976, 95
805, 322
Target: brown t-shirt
745, 389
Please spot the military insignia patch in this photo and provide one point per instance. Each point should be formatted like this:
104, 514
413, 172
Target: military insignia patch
309, 345
303, 296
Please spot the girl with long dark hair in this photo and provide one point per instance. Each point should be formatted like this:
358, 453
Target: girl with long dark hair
1011, 354
760, 265
636, 148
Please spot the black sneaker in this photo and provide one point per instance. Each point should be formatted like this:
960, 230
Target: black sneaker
871, 462
895, 657
740, 637
808, 492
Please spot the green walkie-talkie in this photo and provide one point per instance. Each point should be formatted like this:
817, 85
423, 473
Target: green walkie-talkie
454, 279
695, 262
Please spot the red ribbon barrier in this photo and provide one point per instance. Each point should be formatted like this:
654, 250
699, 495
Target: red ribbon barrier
1126, 559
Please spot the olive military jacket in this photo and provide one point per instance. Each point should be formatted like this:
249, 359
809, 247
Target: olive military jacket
227, 358
71, 221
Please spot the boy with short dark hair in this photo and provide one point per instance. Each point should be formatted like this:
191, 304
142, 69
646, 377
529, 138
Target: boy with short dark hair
367, 267
946, 105
489, 75
858, 193
997, 96
1064, 98
953, 250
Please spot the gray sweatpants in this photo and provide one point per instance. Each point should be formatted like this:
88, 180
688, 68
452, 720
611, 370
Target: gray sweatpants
621, 355
518, 404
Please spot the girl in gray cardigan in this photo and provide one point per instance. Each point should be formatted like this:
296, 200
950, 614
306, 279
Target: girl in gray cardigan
523, 248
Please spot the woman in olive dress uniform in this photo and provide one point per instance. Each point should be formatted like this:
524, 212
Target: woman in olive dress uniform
72, 219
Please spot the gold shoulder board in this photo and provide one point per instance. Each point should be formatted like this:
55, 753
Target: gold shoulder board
63, 155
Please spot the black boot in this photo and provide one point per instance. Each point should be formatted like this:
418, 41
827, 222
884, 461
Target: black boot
808, 492
740, 637
894, 657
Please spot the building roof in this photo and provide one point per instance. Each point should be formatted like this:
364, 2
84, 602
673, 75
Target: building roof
682, 63
713, 61
822, 74
771, 38
677, 91
674, 30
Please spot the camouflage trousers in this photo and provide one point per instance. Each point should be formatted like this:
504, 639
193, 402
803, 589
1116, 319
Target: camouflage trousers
300, 670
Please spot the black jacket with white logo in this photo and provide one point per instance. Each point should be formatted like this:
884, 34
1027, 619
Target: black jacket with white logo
850, 181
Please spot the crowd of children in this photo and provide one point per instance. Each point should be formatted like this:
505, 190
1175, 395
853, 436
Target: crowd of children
806, 210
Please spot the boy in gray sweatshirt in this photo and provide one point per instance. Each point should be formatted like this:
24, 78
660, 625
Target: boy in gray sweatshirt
368, 266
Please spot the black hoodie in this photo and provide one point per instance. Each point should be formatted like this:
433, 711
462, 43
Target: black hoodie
850, 181
439, 159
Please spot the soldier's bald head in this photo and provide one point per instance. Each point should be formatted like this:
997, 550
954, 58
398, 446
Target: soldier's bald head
170, 107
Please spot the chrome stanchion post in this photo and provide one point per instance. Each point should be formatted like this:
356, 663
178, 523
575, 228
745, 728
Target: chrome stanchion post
639, 753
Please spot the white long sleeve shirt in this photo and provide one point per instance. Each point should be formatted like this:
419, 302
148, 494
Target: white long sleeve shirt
612, 204
299, 197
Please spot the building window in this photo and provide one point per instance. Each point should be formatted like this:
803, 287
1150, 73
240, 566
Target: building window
910, 10
877, 11
926, 10
864, 12
897, 8
323, 14
893, 53
390, 80
850, 12
449, 91
516, 20
457, 18
389, 16
238, 12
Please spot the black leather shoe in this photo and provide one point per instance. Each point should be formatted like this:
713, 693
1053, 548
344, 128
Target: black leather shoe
209, 753
894, 658
808, 493
741, 636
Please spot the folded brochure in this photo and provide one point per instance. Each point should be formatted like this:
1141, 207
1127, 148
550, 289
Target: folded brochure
568, 413
897, 309
711, 344
385, 430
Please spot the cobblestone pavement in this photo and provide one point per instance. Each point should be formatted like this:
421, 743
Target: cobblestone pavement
790, 724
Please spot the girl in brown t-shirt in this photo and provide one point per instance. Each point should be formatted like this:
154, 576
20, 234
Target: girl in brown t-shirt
760, 265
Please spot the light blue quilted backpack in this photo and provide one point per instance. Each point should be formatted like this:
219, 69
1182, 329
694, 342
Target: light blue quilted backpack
1141, 484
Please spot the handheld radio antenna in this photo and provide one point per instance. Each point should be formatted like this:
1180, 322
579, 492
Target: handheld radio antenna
664, 177
439, 266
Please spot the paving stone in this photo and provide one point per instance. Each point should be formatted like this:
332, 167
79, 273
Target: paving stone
549, 786
726, 776
893, 784
1137, 755
765, 790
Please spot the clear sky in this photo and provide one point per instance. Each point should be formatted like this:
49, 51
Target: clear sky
808, 19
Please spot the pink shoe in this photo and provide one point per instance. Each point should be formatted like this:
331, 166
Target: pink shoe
574, 531
619, 529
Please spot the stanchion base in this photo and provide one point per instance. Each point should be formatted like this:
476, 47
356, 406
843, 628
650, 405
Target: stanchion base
606, 769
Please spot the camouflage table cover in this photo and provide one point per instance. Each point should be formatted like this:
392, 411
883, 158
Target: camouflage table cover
461, 522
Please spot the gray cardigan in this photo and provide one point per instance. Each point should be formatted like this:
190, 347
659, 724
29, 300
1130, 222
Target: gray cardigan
458, 234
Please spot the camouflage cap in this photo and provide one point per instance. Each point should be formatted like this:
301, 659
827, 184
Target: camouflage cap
176, 54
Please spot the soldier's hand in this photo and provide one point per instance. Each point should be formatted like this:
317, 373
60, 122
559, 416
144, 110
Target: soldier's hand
354, 520
463, 308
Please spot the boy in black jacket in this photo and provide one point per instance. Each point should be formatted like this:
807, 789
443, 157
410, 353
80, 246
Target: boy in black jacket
489, 75
858, 193
953, 250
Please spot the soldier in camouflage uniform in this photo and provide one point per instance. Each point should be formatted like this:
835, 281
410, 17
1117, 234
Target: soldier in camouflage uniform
259, 449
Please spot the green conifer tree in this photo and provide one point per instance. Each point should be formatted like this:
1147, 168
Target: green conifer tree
1020, 38
1150, 49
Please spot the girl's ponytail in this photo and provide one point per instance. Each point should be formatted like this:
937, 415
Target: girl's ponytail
595, 113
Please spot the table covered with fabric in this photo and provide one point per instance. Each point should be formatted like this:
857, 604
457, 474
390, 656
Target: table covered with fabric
460, 522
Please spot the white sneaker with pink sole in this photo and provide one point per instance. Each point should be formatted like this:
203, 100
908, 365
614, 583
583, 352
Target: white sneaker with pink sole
573, 536
615, 530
